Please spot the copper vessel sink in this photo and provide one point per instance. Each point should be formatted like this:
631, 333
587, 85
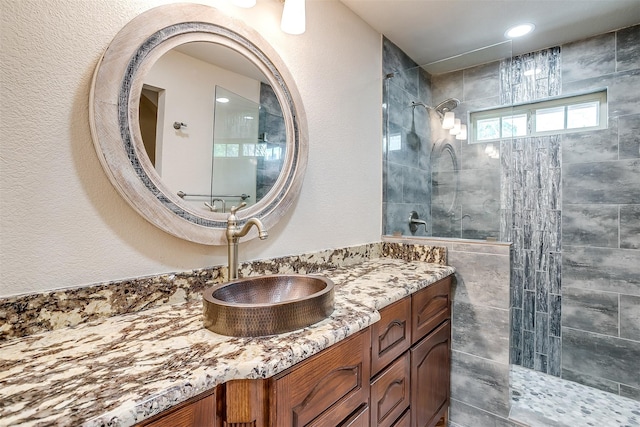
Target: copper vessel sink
267, 305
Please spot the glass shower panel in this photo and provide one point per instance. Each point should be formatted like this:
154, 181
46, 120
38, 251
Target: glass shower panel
452, 185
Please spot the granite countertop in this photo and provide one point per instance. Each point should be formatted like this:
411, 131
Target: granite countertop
123, 369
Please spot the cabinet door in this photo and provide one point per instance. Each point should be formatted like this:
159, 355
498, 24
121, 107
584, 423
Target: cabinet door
198, 413
430, 366
337, 378
404, 420
391, 335
390, 393
359, 419
430, 307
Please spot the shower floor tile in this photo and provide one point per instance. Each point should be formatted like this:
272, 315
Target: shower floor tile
541, 400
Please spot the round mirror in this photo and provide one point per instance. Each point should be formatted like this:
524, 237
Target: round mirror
192, 112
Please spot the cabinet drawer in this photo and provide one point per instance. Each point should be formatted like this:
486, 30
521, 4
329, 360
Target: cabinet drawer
430, 307
390, 393
404, 420
359, 419
391, 335
337, 378
430, 361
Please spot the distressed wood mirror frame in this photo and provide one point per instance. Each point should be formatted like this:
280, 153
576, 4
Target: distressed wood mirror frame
114, 105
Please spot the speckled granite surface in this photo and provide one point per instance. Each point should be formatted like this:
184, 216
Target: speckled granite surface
122, 369
28, 314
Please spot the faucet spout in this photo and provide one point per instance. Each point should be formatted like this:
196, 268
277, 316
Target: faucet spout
234, 233
414, 222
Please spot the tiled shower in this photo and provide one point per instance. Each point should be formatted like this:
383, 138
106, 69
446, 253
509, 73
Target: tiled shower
569, 204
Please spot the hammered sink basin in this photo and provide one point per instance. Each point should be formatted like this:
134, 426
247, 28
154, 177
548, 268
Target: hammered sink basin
267, 305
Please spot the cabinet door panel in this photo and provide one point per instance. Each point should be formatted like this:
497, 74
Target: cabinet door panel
430, 307
359, 419
404, 420
390, 393
391, 335
199, 413
337, 376
430, 367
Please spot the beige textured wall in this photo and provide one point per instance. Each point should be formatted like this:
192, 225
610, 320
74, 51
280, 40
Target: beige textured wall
62, 224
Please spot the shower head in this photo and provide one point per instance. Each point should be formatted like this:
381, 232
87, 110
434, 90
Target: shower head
447, 105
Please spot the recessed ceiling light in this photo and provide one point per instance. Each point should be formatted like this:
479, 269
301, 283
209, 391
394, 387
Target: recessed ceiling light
222, 100
519, 30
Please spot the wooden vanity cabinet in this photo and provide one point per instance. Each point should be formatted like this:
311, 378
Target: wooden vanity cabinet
328, 388
410, 360
199, 411
430, 361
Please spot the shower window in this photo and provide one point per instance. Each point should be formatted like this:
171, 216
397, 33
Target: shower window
561, 115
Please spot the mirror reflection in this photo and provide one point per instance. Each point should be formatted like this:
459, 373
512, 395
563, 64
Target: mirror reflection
212, 126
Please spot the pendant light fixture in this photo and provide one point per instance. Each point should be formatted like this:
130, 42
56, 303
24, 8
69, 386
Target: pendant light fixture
293, 17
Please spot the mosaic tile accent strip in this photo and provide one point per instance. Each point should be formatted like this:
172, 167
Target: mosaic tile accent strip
28, 314
531, 204
534, 209
541, 400
531, 76
127, 368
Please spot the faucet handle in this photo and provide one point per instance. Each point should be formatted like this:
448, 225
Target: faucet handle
235, 209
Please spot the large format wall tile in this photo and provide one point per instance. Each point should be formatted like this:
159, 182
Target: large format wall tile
630, 392
482, 279
404, 68
630, 317
629, 136
630, 226
604, 269
605, 357
482, 331
591, 146
589, 58
591, 182
445, 86
463, 415
397, 218
588, 310
482, 81
628, 48
480, 382
589, 380
622, 90
590, 225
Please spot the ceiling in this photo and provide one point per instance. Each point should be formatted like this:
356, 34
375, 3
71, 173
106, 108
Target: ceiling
431, 31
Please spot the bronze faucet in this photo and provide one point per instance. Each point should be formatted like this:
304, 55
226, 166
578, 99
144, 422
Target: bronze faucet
234, 234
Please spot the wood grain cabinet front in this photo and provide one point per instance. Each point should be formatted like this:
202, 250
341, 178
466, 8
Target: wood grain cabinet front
430, 307
411, 346
404, 420
390, 392
199, 411
326, 389
391, 335
430, 369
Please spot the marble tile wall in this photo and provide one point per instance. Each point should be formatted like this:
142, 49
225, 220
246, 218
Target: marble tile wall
407, 148
480, 331
601, 219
